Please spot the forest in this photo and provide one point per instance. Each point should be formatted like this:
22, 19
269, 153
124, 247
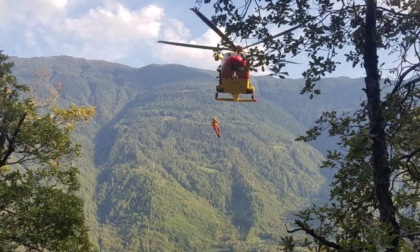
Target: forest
154, 177
101, 156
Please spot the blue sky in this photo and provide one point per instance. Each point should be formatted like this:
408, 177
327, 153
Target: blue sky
117, 31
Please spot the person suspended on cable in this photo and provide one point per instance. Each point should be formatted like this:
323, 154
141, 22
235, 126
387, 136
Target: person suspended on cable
216, 126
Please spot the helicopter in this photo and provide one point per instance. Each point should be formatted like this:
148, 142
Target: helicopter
234, 73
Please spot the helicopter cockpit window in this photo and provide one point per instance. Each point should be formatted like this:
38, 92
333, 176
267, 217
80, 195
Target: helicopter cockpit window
228, 54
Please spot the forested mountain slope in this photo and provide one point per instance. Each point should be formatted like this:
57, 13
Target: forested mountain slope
155, 177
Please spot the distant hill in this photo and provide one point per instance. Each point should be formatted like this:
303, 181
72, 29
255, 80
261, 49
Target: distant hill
156, 178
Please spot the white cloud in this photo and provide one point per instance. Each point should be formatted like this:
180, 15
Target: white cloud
59, 3
115, 23
108, 30
111, 32
30, 12
175, 31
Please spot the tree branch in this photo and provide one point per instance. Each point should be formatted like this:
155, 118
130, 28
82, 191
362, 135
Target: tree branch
19, 241
402, 77
317, 237
293, 230
410, 236
410, 155
11, 145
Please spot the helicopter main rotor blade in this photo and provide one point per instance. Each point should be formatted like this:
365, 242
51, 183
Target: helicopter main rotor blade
214, 48
291, 62
214, 28
275, 36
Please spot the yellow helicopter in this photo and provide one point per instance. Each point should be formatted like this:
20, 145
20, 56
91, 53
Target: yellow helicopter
234, 74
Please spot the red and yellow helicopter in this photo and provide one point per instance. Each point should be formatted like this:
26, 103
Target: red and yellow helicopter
234, 72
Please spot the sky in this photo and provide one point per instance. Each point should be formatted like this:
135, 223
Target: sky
123, 32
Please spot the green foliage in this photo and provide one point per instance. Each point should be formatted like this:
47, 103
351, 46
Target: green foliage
40, 217
374, 195
198, 190
165, 182
37, 185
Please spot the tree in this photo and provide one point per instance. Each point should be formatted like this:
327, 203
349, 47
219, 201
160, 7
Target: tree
38, 209
374, 194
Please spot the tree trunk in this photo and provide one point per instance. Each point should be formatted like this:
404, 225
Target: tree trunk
382, 171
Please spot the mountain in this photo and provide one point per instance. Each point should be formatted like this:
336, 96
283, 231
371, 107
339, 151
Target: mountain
154, 175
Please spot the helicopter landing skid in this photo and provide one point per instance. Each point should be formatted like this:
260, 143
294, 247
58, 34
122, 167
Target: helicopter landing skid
235, 99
